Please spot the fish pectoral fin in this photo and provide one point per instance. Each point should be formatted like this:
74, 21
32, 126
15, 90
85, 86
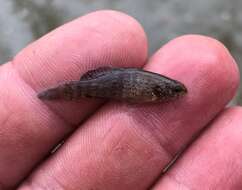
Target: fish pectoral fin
92, 74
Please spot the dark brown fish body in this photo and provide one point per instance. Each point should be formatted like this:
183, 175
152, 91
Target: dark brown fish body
124, 84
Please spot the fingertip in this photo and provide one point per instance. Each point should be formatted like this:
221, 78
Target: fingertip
129, 25
208, 49
97, 39
201, 63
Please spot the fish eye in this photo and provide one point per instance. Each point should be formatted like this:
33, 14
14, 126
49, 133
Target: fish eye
178, 89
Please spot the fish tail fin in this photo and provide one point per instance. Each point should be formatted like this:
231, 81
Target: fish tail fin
64, 91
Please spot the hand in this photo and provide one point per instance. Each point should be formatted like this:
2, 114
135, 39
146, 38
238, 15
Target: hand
115, 145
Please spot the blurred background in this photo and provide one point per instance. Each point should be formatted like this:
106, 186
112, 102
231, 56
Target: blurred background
22, 21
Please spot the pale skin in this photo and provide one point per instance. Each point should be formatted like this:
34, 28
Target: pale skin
115, 145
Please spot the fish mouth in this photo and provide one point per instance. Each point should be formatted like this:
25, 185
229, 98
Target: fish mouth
184, 89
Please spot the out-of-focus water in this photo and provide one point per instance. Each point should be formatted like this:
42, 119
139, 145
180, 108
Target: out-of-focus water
24, 21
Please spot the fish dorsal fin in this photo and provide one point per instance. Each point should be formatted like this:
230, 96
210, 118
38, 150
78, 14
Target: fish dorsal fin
92, 74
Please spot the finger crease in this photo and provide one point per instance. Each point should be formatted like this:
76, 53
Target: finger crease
64, 121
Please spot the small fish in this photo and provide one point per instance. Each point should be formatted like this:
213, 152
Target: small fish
123, 84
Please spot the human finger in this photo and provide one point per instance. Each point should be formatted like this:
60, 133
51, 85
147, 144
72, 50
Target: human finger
126, 146
213, 161
30, 128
